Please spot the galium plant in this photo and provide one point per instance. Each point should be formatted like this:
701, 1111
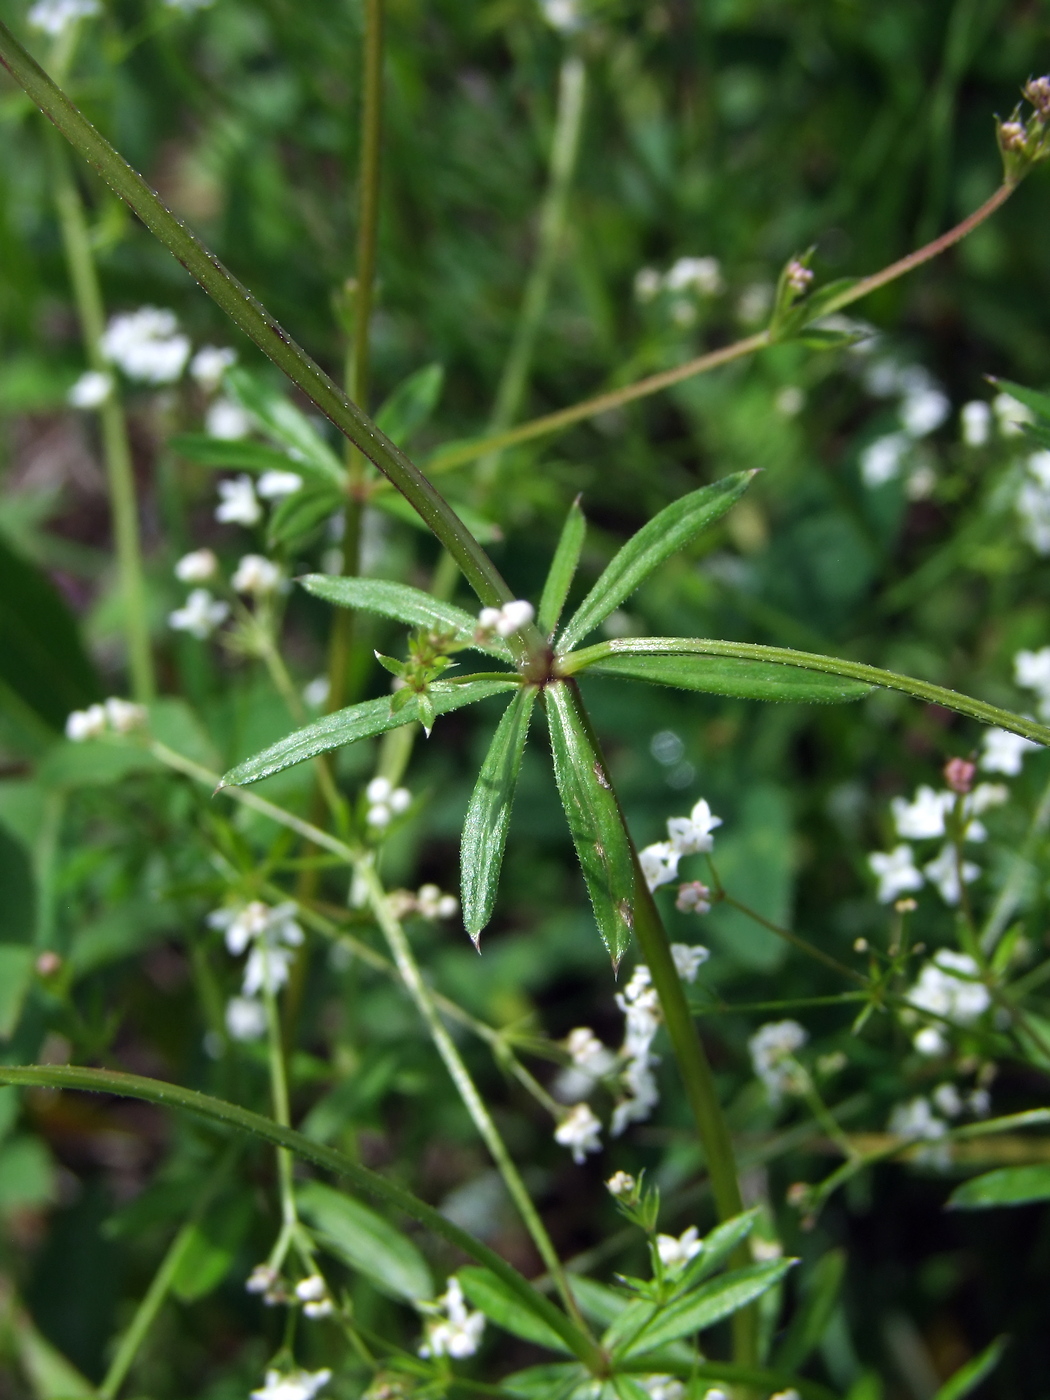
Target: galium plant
965, 1007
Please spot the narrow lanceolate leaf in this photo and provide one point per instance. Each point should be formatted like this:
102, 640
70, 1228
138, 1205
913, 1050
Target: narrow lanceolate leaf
488, 816
491, 1296
358, 722
970, 1376
282, 422
809, 661
710, 1304
1038, 403
240, 454
1008, 1186
404, 604
718, 1246
411, 404
727, 675
669, 531
368, 1243
594, 818
562, 570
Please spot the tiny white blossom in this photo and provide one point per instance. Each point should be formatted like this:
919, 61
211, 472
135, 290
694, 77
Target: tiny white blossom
659, 863
896, 872
976, 419
508, 619
1003, 751
274, 485
647, 284
1033, 502
379, 789
881, 460
930, 1042
209, 365
262, 1279
693, 898
580, 1131
948, 986
200, 616
1011, 414
980, 1103
943, 872
432, 903
256, 575
245, 1018
703, 275
311, 1289
772, 1047
458, 1333
1032, 672
662, 1387
146, 344
916, 1119
921, 413
642, 1094
197, 567
621, 1184
91, 390
227, 420
54, 17
292, 1385
123, 716
317, 691
923, 817
676, 1252
688, 959
86, 724
790, 401
239, 504
564, 15
267, 969
692, 834
948, 1100
588, 1053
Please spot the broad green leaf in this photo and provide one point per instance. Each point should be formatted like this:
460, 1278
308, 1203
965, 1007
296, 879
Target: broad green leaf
488, 815
401, 602
562, 570
282, 422
707, 1305
301, 514
719, 1244
240, 454
16, 975
1031, 398
557, 1381
411, 404
368, 1243
594, 818
728, 675
358, 722
810, 1322
970, 1376
491, 1296
1007, 1186
210, 1249
665, 534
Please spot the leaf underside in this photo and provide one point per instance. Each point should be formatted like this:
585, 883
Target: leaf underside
358, 722
594, 819
728, 675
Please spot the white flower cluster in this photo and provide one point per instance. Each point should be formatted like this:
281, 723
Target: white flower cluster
202, 613
949, 988
686, 836
922, 408
54, 17
580, 1131
429, 902
458, 1333
268, 934
238, 503
292, 1385
924, 819
507, 620
114, 716
146, 345
385, 802
772, 1050
313, 1293
1033, 502
641, 1007
684, 281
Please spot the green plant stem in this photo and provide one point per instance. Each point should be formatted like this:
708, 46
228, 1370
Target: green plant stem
330, 1159
153, 1300
257, 323
279, 1096
407, 966
577, 661
116, 450
796, 940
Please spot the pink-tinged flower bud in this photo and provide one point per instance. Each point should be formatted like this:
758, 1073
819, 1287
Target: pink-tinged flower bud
1012, 136
1037, 90
47, 964
959, 774
798, 277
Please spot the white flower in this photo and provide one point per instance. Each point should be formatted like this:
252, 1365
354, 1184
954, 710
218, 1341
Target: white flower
86, 724
245, 1018
641, 1006
266, 970
980, 1103
895, 871
943, 871
270, 933
274, 485
642, 1093
256, 575
458, 1333
916, 1119
689, 958
580, 1131
621, 1184
313, 1293
385, 801
227, 420
948, 987
692, 834
239, 505
976, 419
588, 1053
662, 1387
921, 413
703, 275
647, 283
508, 619
91, 390
1033, 502
564, 15
200, 616
209, 365
146, 344
1032, 672
948, 1099
790, 401
659, 863
292, 1385
123, 716
923, 817
1011, 414
317, 691
772, 1047
986, 795
930, 1042
431, 902
197, 567
693, 898
1003, 751
54, 17
881, 460
675, 1253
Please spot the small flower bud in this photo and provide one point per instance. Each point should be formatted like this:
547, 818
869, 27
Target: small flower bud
860, 945
799, 277
797, 1194
959, 774
312, 1289
47, 964
906, 906
1037, 90
621, 1184
1012, 136
261, 1279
